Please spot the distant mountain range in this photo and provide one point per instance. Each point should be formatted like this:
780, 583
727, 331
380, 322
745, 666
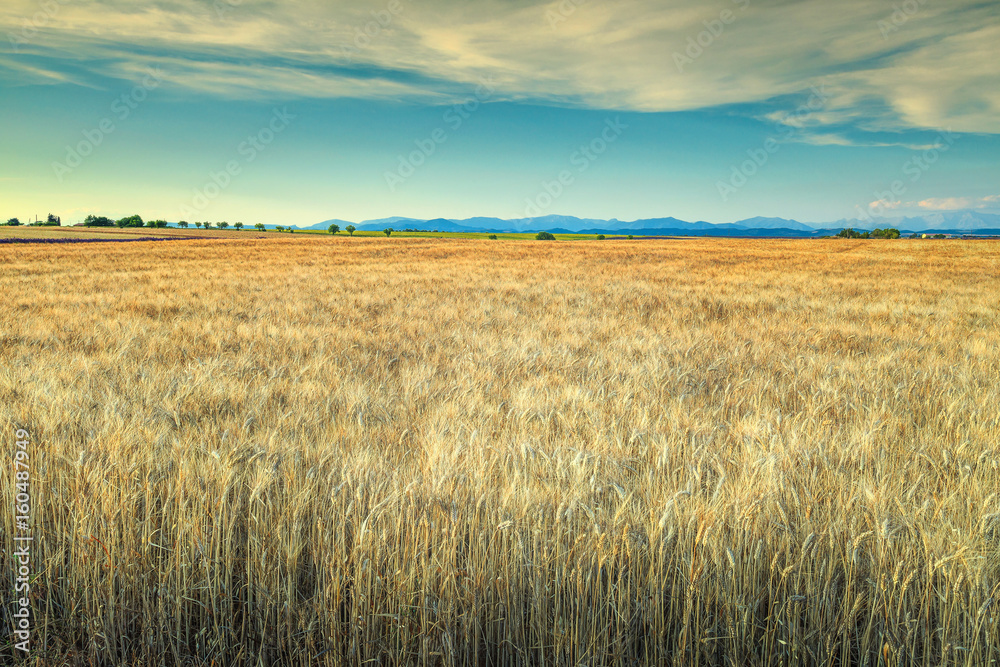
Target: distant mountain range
945, 222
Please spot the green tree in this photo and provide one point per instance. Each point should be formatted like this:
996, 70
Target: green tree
131, 221
238, 226
333, 229
600, 237
388, 231
223, 225
350, 229
493, 237
544, 236
98, 221
198, 225
279, 228
206, 225
630, 237
260, 226
13, 222
53, 220
183, 224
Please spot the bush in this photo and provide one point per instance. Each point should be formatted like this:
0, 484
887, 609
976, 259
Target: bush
131, 221
544, 236
630, 237
98, 221
13, 222
493, 237
601, 237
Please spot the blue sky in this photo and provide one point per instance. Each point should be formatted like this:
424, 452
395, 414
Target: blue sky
300, 111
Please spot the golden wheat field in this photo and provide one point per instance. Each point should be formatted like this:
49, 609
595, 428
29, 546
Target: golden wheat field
333, 451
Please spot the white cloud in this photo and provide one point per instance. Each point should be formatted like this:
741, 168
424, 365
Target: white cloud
938, 69
960, 203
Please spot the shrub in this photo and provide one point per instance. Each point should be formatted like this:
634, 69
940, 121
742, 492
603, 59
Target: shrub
544, 236
99, 221
13, 222
601, 237
131, 221
493, 237
630, 237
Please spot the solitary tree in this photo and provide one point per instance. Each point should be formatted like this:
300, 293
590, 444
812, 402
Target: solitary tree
198, 225
238, 226
388, 232
223, 225
600, 237
260, 226
333, 229
545, 236
350, 229
183, 224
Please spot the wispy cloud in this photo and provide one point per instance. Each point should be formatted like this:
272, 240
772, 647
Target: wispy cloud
960, 203
937, 70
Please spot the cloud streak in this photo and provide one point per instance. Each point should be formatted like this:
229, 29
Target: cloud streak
936, 70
